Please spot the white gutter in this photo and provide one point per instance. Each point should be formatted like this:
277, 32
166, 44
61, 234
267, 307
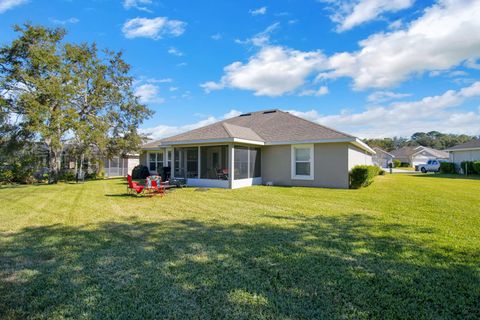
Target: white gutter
355, 141
462, 149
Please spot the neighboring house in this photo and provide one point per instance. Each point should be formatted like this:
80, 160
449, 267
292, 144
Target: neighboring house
418, 155
382, 158
264, 147
116, 166
468, 151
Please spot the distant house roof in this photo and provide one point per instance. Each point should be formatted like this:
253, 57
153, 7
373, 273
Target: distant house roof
380, 150
261, 127
407, 152
473, 144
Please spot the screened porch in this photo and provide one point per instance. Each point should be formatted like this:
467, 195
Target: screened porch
222, 166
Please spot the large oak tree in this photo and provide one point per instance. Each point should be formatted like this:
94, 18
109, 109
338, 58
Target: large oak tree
63, 91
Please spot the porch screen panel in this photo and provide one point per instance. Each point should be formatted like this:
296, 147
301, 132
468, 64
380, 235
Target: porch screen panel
192, 162
213, 162
255, 163
176, 165
240, 166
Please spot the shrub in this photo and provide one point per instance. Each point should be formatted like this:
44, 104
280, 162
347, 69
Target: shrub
467, 167
476, 166
362, 176
447, 167
66, 176
95, 175
6, 176
381, 172
22, 173
140, 172
396, 163
404, 164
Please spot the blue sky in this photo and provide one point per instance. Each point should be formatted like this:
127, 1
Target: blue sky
374, 68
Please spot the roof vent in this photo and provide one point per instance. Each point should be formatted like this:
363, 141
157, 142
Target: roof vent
245, 115
269, 111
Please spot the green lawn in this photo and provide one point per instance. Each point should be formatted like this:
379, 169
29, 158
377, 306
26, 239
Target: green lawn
406, 247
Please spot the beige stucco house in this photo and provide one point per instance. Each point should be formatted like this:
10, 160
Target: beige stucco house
265, 147
418, 155
468, 151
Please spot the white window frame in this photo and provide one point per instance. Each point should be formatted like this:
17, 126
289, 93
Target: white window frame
311, 148
157, 159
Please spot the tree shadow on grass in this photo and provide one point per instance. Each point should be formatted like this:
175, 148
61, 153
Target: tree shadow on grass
321, 267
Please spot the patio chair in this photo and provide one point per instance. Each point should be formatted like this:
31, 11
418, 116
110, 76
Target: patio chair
133, 186
160, 189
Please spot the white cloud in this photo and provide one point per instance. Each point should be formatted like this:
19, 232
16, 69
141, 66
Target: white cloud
349, 14
445, 36
395, 25
10, 4
163, 80
175, 52
273, 71
154, 28
404, 118
216, 36
171, 89
472, 63
261, 39
232, 113
384, 96
323, 90
259, 11
149, 94
137, 4
163, 131
72, 20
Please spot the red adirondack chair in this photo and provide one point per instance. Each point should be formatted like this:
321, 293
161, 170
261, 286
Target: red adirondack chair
160, 189
134, 186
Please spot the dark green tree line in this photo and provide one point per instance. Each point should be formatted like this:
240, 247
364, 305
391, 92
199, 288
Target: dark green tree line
432, 139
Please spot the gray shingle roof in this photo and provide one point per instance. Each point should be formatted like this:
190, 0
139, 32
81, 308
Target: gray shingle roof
264, 126
467, 145
407, 152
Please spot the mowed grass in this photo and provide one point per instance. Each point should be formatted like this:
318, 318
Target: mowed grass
408, 246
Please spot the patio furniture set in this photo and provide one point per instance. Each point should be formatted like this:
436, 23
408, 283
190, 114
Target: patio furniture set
153, 185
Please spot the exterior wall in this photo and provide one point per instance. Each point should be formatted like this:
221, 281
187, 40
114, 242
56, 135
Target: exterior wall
464, 155
241, 183
143, 158
381, 159
357, 157
208, 183
132, 162
330, 167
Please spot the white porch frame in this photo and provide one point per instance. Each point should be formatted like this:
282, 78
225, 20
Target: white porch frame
231, 183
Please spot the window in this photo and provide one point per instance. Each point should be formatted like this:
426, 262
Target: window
169, 158
302, 162
155, 161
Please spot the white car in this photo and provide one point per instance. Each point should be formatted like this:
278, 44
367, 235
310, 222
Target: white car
430, 166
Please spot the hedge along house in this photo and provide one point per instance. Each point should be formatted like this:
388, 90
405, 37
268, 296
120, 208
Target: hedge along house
264, 147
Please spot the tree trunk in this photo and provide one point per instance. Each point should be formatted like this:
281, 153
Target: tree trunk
53, 165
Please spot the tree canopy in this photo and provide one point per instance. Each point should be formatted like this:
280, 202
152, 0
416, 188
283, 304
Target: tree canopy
432, 139
62, 91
